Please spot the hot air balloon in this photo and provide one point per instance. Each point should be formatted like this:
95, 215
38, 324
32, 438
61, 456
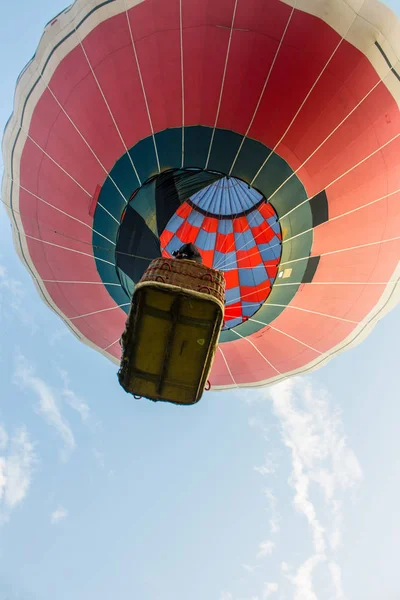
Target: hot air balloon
265, 132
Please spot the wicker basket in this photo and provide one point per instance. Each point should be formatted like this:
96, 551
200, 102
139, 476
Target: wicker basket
186, 274
172, 331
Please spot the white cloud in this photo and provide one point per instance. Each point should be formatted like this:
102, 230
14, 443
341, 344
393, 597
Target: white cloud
58, 515
272, 500
73, 400
20, 463
248, 568
335, 535
57, 335
76, 403
3, 476
274, 522
226, 596
266, 548
99, 458
303, 580
12, 295
16, 469
3, 438
336, 576
256, 423
274, 526
48, 405
313, 433
269, 589
269, 467
323, 470
285, 567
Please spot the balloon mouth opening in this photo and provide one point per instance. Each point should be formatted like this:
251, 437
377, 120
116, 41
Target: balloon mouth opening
235, 228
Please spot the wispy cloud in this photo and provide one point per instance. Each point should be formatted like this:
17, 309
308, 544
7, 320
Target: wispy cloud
57, 335
272, 500
313, 433
99, 458
303, 579
284, 567
270, 465
58, 515
16, 468
13, 296
48, 406
3, 438
266, 548
249, 568
323, 469
226, 596
269, 589
274, 522
274, 526
72, 399
336, 576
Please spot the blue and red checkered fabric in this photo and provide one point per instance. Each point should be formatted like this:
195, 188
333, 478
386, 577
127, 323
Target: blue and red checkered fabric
245, 245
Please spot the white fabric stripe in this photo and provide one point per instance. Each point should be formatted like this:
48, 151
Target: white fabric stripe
337, 178
361, 246
222, 84
302, 104
387, 302
334, 283
256, 349
66, 173
96, 312
263, 90
80, 282
60, 211
250, 222
289, 262
227, 304
287, 335
56, 163
349, 212
227, 366
112, 344
108, 212
87, 143
107, 105
31, 237
236, 262
344, 250
375, 23
142, 85
314, 312
266, 303
308, 230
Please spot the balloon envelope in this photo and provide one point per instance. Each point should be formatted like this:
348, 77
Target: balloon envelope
267, 132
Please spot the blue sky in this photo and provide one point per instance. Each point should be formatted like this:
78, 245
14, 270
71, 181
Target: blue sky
290, 492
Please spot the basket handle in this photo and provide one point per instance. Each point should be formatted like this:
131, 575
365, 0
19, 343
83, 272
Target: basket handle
166, 266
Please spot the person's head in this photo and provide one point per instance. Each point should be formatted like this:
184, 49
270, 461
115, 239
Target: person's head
188, 252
